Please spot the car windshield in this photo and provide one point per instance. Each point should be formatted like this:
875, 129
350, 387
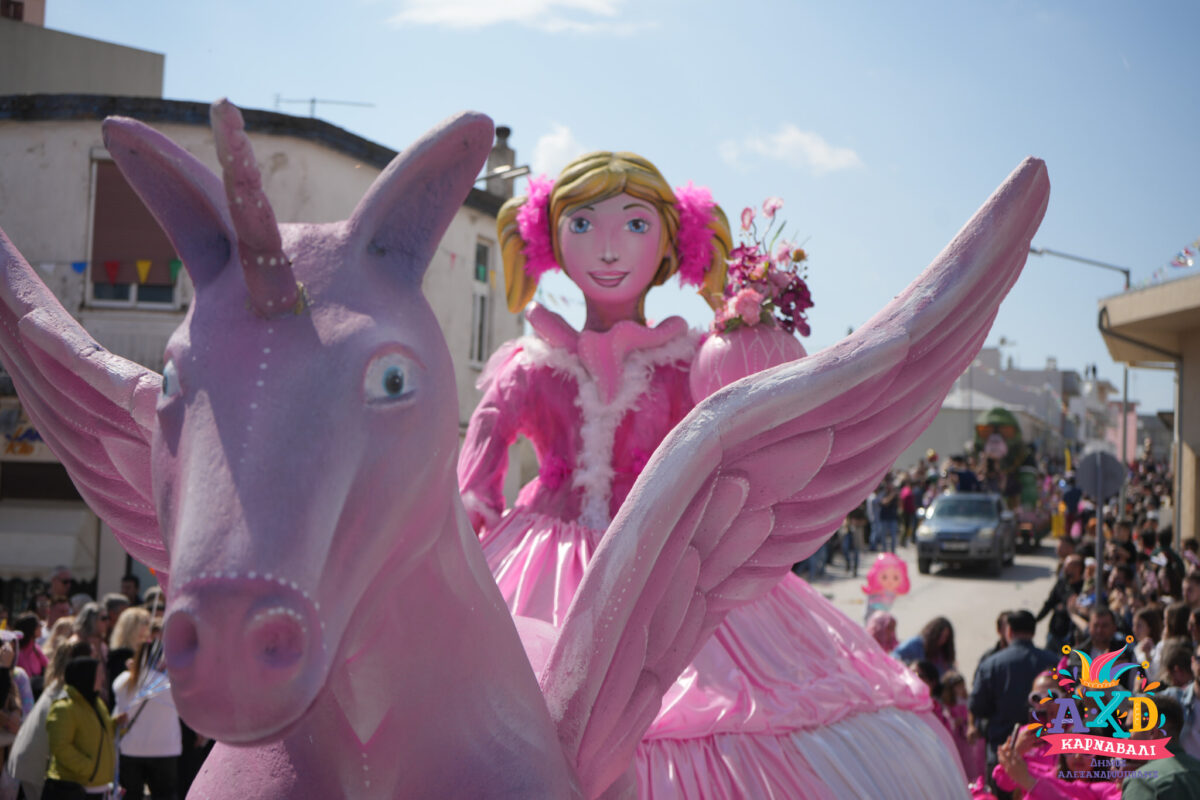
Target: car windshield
964, 506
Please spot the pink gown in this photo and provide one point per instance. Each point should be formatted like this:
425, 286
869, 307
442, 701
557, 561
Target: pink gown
738, 721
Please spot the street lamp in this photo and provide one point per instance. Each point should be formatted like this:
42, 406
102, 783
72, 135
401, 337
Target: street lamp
1046, 251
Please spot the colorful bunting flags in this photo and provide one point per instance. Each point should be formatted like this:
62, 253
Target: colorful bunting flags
1187, 256
1184, 259
112, 268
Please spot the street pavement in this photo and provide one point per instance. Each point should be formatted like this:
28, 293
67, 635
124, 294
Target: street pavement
968, 597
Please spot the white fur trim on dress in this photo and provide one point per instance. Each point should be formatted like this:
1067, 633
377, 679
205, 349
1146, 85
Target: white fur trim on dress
593, 466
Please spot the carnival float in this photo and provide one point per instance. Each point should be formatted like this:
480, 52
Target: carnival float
335, 620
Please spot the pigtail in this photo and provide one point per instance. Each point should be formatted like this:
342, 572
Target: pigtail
713, 288
519, 286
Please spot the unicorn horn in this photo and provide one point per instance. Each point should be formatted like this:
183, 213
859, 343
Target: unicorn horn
269, 277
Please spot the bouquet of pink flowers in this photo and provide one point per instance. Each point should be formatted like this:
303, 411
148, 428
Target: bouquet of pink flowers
765, 283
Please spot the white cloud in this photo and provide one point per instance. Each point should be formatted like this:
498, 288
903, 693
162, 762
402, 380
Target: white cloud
792, 146
550, 16
554, 150
731, 153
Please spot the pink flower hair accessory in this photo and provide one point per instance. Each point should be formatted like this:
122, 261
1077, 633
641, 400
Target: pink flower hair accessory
693, 244
533, 223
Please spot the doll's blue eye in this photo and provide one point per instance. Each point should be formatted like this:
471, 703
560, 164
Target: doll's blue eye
638, 225
580, 225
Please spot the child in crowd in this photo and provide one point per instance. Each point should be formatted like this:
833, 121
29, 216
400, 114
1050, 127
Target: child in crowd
953, 699
882, 627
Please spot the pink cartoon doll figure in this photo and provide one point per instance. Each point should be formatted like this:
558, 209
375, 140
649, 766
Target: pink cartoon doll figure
595, 404
887, 579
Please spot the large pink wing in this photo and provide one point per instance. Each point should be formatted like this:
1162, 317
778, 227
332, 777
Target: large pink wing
95, 410
761, 473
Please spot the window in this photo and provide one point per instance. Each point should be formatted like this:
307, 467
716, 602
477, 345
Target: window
481, 299
480, 340
12, 9
482, 261
132, 263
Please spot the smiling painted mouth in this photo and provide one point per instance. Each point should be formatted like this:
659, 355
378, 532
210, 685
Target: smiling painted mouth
608, 279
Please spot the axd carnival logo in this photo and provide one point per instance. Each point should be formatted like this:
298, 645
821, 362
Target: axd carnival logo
1096, 714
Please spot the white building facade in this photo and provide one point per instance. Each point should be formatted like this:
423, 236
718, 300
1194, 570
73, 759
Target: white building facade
1057, 409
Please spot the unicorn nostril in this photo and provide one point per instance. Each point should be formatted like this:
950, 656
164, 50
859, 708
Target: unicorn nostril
181, 640
278, 638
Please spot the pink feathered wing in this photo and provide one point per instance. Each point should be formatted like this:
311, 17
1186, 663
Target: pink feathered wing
95, 410
759, 474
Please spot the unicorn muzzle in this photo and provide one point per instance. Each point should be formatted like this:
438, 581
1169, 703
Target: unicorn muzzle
245, 655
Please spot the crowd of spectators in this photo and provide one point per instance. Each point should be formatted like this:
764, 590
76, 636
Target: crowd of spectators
1144, 594
69, 659
83, 701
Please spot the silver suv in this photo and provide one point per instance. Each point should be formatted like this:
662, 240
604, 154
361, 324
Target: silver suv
967, 528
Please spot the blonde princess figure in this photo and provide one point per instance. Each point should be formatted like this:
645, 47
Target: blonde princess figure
785, 683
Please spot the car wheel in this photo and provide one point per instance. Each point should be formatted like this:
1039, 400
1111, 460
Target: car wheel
1012, 553
923, 565
996, 565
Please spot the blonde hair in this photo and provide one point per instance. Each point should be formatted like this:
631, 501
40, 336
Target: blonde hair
132, 628
62, 630
593, 178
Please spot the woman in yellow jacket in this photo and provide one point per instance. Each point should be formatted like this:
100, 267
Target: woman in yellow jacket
82, 735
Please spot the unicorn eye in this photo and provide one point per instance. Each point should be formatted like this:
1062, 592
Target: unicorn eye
389, 377
170, 380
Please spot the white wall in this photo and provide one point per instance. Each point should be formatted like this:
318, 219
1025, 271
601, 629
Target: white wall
952, 428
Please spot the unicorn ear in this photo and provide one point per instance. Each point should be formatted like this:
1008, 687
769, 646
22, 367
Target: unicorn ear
403, 215
185, 197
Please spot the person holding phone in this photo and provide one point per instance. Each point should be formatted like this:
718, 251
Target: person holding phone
1003, 681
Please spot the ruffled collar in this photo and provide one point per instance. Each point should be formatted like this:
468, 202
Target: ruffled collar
603, 353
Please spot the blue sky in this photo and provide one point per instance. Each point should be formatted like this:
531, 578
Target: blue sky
882, 125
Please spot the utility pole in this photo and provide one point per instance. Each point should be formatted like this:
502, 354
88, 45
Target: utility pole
1046, 251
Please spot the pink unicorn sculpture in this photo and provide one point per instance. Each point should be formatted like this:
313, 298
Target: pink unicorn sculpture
332, 620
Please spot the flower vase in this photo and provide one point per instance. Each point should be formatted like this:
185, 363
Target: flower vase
728, 356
